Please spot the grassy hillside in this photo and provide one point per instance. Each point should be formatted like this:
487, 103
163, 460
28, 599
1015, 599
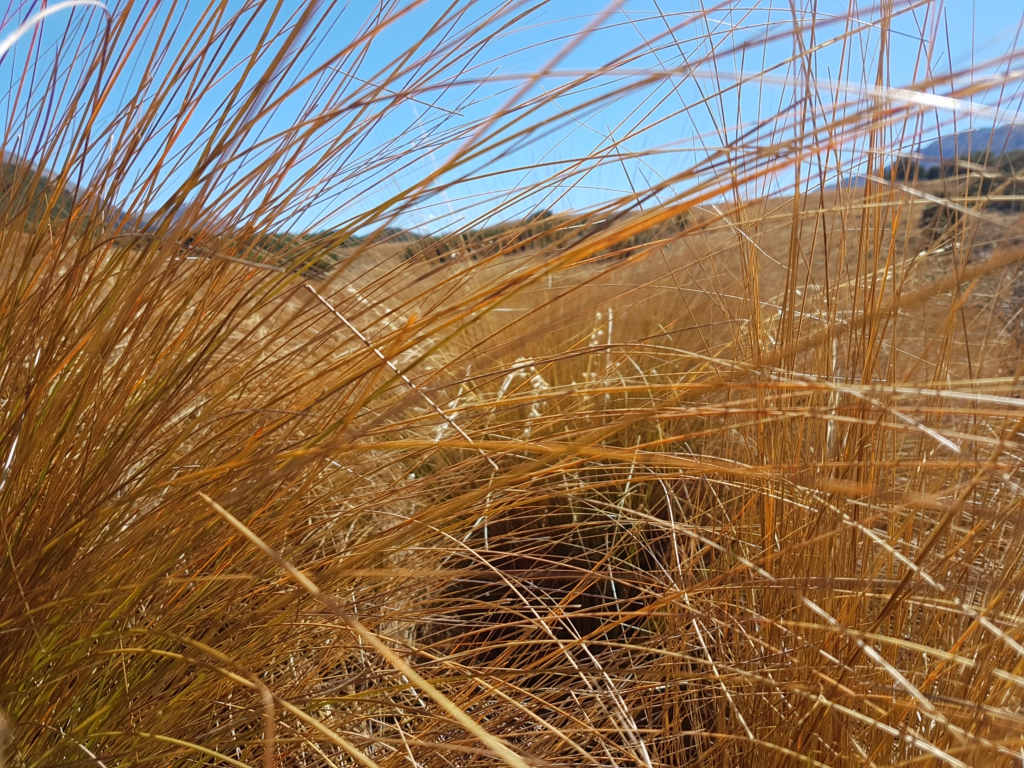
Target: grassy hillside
724, 469
544, 233
27, 195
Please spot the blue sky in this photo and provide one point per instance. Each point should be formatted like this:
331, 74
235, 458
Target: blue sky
649, 119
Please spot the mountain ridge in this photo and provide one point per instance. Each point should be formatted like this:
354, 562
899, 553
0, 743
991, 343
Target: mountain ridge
998, 140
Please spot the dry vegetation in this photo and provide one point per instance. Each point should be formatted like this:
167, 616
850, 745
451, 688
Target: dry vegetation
747, 495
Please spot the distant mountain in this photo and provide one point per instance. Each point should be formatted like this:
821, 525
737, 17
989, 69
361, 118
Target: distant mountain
16, 191
27, 189
998, 141
24, 192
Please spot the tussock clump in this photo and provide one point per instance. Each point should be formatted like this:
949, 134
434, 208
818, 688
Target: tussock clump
721, 468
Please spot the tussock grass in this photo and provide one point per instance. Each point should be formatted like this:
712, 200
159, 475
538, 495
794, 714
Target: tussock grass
741, 492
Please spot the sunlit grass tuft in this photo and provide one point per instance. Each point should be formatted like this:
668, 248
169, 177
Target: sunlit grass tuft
721, 468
